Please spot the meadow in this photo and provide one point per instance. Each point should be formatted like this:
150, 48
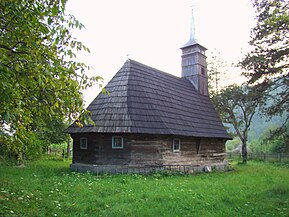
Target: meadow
49, 188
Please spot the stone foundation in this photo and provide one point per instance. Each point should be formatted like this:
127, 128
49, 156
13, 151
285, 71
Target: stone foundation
116, 169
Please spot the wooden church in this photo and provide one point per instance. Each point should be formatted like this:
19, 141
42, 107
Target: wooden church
152, 118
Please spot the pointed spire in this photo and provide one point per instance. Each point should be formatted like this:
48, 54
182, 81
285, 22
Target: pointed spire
193, 30
192, 39
194, 66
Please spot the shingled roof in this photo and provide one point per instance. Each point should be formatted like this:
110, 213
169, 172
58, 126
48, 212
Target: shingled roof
145, 100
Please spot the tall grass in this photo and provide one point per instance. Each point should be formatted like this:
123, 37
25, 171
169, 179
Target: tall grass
49, 188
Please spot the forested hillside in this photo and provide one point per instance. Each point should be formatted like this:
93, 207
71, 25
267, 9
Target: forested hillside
261, 128
261, 124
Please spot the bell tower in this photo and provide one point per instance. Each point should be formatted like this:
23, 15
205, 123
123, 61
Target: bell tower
194, 65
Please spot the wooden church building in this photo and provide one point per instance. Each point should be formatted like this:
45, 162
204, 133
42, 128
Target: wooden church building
152, 118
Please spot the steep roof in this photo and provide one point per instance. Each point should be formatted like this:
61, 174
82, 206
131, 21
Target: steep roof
145, 100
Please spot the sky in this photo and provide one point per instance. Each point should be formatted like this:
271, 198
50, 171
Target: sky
152, 32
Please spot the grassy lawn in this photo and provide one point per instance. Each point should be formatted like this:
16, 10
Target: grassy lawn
48, 188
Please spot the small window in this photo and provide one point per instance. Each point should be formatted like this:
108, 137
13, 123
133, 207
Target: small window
83, 143
176, 145
203, 71
117, 142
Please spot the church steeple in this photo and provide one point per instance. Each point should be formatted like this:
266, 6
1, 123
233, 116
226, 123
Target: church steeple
193, 29
194, 65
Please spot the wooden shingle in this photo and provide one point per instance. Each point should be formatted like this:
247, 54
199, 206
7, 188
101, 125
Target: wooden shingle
145, 100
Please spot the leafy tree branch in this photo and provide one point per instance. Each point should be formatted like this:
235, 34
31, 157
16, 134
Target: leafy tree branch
39, 76
237, 106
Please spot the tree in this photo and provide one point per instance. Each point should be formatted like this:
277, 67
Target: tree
277, 139
51, 131
237, 106
39, 77
216, 71
267, 65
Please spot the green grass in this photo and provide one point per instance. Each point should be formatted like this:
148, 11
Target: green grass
49, 188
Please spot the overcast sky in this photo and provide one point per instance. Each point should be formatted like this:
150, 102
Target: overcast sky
152, 31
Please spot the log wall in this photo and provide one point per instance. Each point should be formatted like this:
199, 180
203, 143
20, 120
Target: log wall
144, 150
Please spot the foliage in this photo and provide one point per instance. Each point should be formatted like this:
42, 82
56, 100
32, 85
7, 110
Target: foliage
277, 140
270, 55
216, 71
48, 188
261, 123
52, 131
39, 78
58, 148
232, 144
237, 106
260, 130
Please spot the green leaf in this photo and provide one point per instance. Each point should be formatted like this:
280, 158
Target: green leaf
40, 78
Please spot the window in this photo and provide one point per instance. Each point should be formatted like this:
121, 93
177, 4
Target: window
203, 71
117, 142
83, 143
176, 145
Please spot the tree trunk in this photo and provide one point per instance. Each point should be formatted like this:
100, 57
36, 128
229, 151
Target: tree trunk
68, 148
20, 159
244, 152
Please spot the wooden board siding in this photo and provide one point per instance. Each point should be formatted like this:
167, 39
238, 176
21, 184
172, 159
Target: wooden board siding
144, 150
194, 151
99, 150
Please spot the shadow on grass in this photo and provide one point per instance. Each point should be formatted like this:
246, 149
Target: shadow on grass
278, 191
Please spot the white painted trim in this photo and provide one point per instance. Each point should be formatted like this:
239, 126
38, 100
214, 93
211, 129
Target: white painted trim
81, 144
113, 145
173, 147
